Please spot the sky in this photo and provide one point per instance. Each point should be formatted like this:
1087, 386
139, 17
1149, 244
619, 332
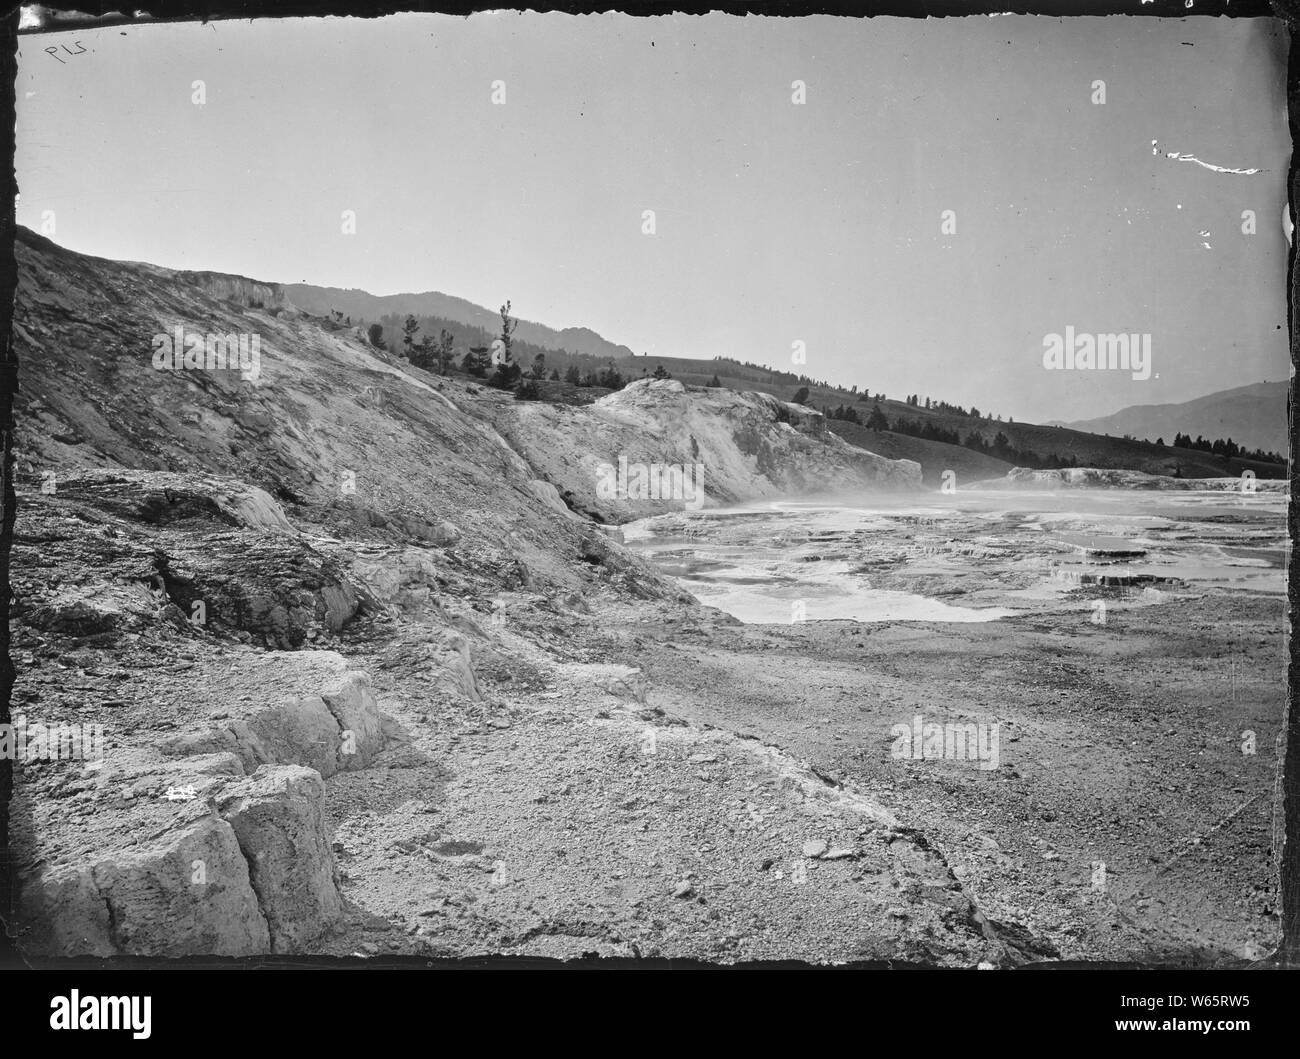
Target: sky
778, 226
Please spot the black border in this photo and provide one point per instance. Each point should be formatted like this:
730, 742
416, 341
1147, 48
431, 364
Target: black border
58, 17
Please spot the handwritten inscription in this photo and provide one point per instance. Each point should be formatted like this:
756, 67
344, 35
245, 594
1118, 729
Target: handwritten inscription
54, 50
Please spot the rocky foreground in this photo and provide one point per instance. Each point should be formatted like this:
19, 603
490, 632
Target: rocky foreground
358, 753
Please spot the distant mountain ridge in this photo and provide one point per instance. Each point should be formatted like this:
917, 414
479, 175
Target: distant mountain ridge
360, 305
1253, 416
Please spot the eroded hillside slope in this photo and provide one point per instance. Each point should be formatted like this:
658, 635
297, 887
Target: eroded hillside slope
746, 446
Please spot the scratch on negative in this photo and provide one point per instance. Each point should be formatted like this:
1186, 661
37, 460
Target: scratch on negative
1177, 157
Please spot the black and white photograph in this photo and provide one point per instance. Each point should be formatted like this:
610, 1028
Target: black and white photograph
620, 489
